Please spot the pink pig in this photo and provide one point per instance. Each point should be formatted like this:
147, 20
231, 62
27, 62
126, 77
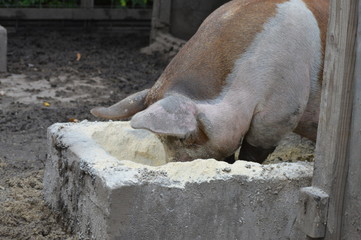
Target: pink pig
251, 74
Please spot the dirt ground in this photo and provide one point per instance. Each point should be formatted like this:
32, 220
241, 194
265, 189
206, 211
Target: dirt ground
59, 76
56, 77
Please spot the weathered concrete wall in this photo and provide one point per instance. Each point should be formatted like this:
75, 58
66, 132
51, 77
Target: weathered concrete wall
106, 198
187, 15
3, 49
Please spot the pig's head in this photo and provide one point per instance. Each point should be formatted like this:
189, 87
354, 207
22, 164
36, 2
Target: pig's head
183, 129
188, 130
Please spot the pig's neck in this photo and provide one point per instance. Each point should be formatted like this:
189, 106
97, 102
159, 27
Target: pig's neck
227, 119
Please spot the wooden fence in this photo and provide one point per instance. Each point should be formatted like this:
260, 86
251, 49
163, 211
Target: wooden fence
332, 206
87, 11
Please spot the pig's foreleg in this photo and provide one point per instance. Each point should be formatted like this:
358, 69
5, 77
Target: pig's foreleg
254, 154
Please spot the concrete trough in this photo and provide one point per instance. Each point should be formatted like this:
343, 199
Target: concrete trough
91, 180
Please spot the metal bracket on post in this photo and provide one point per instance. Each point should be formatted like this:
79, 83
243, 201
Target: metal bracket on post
312, 216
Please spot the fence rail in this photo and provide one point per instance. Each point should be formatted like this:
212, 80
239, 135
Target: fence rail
74, 14
86, 11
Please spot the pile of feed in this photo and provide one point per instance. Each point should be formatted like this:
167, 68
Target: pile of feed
292, 148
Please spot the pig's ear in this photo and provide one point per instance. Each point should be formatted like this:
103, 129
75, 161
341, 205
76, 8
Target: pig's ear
171, 116
123, 109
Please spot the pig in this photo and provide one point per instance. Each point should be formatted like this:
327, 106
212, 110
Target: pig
251, 74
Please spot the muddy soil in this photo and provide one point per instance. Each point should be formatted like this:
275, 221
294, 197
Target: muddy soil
58, 76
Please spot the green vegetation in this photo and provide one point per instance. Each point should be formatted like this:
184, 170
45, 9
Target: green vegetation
74, 3
129, 3
133, 3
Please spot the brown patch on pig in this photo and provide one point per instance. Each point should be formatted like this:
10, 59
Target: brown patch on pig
318, 9
200, 68
308, 123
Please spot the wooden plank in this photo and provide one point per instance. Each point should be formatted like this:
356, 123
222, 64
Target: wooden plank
312, 214
352, 206
87, 3
165, 13
161, 13
74, 14
3, 49
160, 18
331, 166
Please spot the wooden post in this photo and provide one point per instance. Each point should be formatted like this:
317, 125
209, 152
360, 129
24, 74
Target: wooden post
337, 173
160, 18
3, 49
351, 224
